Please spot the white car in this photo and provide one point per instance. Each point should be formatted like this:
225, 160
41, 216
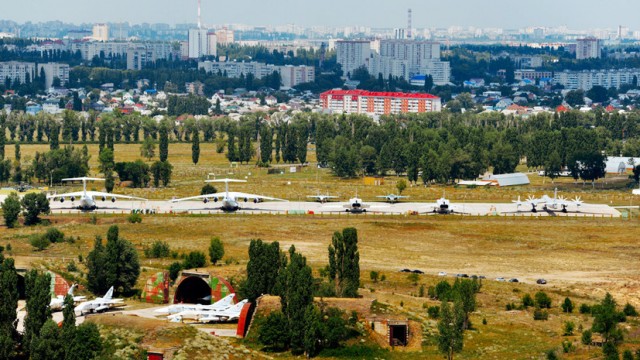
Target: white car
442, 273
501, 279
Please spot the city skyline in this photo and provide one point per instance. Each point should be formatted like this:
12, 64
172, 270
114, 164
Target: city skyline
574, 14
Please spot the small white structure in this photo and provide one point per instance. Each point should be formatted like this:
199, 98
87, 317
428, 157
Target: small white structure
514, 179
636, 192
620, 164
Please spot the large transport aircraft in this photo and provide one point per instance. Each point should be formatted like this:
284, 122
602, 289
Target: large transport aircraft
229, 201
549, 204
88, 199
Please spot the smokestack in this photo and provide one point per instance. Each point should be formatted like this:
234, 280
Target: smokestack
199, 15
409, 26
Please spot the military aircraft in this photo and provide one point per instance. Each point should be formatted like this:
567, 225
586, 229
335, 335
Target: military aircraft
549, 204
392, 198
322, 198
229, 313
229, 201
221, 304
99, 304
88, 199
57, 303
443, 206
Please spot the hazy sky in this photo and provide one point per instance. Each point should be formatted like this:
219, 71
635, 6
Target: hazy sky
575, 14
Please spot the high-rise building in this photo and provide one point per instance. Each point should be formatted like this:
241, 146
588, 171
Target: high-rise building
352, 54
588, 48
101, 32
225, 36
212, 43
295, 75
378, 103
53, 71
17, 71
199, 44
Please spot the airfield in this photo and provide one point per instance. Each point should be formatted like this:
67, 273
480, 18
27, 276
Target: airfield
337, 208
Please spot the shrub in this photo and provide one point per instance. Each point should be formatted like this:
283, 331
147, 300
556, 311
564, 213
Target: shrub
484, 321
194, 259
627, 355
93, 219
551, 355
216, 250
443, 291
208, 189
569, 326
39, 242
134, 218
543, 300
274, 331
383, 277
434, 312
567, 306
567, 346
527, 301
540, 314
413, 278
174, 270
587, 337
629, 310
374, 275
511, 306
421, 291
54, 235
585, 309
71, 267
159, 249
71, 240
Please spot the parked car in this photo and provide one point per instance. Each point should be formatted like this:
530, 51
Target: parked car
442, 273
462, 275
514, 280
501, 279
541, 282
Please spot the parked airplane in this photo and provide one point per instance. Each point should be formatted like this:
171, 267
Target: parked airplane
355, 206
443, 206
229, 313
554, 203
57, 303
322, 198
99, 304
178, 308
392, 198
230, 201
88, 198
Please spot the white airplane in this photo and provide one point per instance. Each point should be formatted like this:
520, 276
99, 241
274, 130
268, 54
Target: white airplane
178, 308
99, 304
443, 206
392, 198
554, 203
57, 303
88, 199
355, 206
229, 313
230, 201
322, 198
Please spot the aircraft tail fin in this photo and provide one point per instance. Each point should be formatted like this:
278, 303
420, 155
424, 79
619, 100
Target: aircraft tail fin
109, 294
71, 289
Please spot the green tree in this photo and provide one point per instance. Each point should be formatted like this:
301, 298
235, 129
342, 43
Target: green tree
274, 332
96, 263
122, 266
68, 331
47, 345
34, 204
587, 337
567, 306
401, 185
8, 306
11, 210
38, 298
450, 329
216, 250
606, 319
208, 189
164, 142
148, 148
575, 97
264, 266
266, 145
161, 171
195, 148
195, 259
543, 301
344, 262
553, 166
174, 270
86, 343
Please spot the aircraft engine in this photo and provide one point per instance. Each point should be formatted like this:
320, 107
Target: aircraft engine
246, 199
215, 199
113, 199
73, 198
61, 199
205, 200
104, 198
255, 201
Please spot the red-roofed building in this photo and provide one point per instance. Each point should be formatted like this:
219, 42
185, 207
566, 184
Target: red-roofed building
378, 103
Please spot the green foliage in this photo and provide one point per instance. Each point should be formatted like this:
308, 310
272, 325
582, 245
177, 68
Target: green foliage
54, 235
96, 262
567, 306
115, 264
208, 189
264, 266
374, 275
39, 242
216, 250
540, 314
587, 337
433, 312
159, 249
442, 291
401, 185
137, 172
72, 267
37, 290
344, 262
567, 346
8, 306
543, 301
34, 204
569, 326
161, 171
164, 142
585, 309
195, 148
413, 278
450, 329
57, 164
551, 355
629, 310
527, 301
274, 332
148, 148
11, 209
606, 319
627, 355
195, 259
174, 270
47, 344
134, 218
86, 344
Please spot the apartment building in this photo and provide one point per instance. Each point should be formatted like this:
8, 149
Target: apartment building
587, 79
53, 71
378, 103
17, 71
352, 54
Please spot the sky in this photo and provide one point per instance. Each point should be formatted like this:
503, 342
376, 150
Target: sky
508, 14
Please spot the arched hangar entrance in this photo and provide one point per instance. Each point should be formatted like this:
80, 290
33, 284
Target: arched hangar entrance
201, 288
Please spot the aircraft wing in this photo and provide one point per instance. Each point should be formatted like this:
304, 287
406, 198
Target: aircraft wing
76, 194
201, 197
239, 195
97, 194
320, 197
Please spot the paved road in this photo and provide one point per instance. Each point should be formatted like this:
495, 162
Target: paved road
474, 209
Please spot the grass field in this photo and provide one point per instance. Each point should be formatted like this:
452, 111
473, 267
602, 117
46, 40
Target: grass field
581, 258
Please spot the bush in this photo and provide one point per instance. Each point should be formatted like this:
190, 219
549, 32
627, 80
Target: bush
527, 301
511, 306
134, 218
174, 270
540, 314
629, 310
585, 309
434, 312
383, 277
567, 346
374, 275
208, 189
54, 235
194, 259
39, 242
569, 326
159, 249
587, 337
551, 355
443, 291
543, 300
71, 240
627, 355
274, 331
71, 267
567, 306
484, 321
216, 250
93, 219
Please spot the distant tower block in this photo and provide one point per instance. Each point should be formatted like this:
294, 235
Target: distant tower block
409, 26
199, 14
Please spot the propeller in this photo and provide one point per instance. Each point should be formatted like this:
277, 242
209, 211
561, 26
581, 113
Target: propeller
578, 201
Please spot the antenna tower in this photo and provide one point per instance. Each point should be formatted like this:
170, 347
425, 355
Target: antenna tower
409, 26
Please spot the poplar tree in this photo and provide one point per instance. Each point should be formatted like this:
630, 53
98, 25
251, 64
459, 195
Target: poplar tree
164, 143
38, 286
8, 306
195, 148
344, 262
